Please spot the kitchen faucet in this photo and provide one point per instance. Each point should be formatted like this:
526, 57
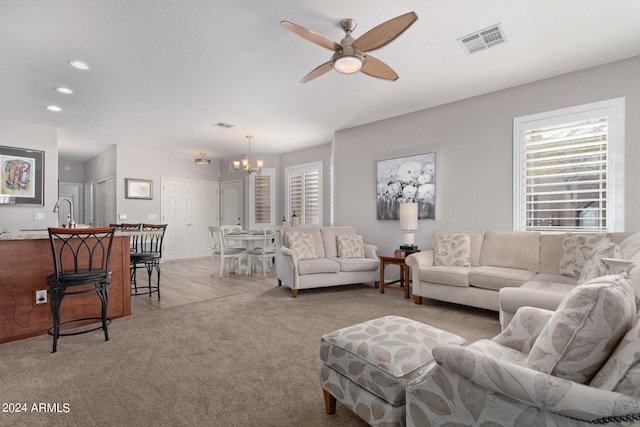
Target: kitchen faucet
70, 222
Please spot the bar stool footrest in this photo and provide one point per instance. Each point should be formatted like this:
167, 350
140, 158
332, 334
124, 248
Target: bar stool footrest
84, 331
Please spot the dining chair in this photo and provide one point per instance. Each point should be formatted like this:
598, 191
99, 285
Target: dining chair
81, 266
146, 254
219, 249
229, 240
264, 254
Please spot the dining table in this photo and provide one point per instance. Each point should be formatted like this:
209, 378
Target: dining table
248, 237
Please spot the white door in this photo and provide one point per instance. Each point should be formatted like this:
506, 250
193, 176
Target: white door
106, 202
231, 203
188, 209
88, 203
204, 213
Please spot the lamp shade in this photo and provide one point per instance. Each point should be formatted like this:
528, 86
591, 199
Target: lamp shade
408, 216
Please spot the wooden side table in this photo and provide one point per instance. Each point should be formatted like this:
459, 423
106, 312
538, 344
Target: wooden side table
405, 278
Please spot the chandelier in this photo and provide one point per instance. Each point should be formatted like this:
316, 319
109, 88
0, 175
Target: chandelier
246, 163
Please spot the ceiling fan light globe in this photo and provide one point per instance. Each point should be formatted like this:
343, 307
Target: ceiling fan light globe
347, 64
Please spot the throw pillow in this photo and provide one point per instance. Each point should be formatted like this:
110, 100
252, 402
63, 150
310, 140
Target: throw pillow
575, 251
302, 245
452, 249
630, 246
594, 267
585, 329
350, 246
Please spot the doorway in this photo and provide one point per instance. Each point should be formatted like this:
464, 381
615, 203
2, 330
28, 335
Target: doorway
188, 208
231, 203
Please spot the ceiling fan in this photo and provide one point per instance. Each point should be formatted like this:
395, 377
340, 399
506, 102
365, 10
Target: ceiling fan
351, 55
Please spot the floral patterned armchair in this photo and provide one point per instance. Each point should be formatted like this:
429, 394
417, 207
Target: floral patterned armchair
577, 365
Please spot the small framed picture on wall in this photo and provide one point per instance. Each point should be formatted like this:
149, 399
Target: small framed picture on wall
138, 189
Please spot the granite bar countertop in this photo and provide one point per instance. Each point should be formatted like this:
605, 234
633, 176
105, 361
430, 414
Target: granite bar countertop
40, 233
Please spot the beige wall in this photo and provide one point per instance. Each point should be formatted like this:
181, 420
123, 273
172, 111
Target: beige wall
473, 141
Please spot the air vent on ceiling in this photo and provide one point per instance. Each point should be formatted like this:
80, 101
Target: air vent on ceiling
223, 125
483, 39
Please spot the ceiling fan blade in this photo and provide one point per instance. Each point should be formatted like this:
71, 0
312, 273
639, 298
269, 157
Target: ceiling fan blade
317, 72
312, 36
384, 33
376, 68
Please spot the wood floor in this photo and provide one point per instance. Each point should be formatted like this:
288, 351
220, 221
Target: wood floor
184, 282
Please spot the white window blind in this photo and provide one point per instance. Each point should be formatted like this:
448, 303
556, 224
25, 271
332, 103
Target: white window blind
567, 167
262, 199
304, 193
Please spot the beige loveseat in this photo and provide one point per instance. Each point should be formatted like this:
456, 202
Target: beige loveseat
315, 257
505, 270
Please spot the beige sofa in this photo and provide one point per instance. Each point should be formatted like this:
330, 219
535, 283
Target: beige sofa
315, 257
506, 270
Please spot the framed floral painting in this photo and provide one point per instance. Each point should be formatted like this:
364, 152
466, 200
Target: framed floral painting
409, 179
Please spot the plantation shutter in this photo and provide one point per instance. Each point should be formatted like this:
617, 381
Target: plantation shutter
311, 212
569, 169
566, 176
305, 193
262, 199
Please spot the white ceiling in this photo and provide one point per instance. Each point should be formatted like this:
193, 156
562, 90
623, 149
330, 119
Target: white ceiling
163, 72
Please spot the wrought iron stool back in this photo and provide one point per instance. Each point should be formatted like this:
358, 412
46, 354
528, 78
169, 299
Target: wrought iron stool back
81, 266
147, 252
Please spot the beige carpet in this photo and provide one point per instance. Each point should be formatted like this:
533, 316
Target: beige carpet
244, 360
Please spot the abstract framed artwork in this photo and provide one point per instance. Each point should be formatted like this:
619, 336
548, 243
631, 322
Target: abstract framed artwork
22, 174
406, 180
138, 189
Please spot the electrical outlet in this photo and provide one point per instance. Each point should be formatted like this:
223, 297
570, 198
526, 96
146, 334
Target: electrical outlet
41, 297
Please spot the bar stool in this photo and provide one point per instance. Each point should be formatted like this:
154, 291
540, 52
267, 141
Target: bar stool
146, 254
81, 266
133, 242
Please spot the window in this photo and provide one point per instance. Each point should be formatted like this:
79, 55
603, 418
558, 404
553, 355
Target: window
569, 169
262, 199
304, 193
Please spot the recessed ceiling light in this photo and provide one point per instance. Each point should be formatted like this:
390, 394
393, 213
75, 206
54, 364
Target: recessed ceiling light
79, 65
54, 108
64, 90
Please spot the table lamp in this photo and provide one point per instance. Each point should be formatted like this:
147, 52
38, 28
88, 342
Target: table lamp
408, 221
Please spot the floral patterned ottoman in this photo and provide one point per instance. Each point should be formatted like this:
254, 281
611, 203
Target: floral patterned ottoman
367, 366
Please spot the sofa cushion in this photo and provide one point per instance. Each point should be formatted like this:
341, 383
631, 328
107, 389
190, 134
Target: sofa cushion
317, 265
329, 242
450, 248
302, 245
554, 278
514, 249
576, 248
585, 329
356, 264
550, 253
545, 295
488, 277
614, 374
446, 275
594, 267
350, 246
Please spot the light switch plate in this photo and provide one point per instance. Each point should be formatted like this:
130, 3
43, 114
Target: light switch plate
39, 216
